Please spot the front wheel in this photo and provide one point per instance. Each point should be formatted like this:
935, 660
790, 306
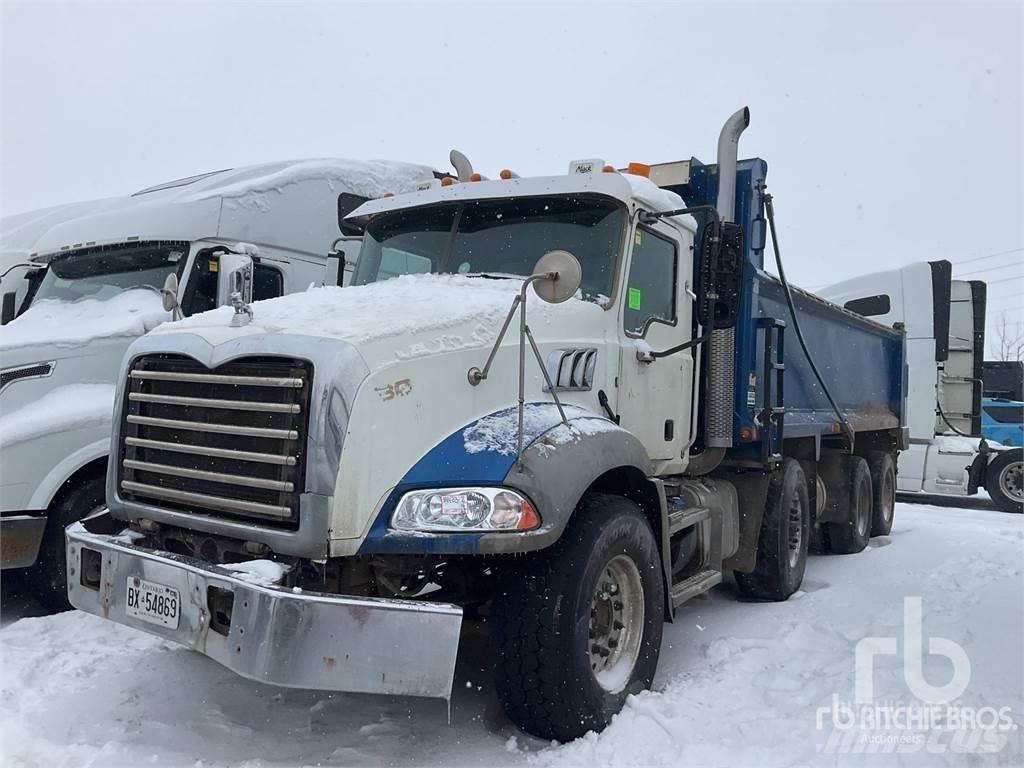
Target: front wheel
1004, 480
48, 578
578, 625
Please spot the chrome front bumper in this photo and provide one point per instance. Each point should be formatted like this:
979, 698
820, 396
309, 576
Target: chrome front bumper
275, 635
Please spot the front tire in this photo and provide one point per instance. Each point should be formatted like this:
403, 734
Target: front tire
48, 578
784, 537
851, 536
1004, 478
578, 625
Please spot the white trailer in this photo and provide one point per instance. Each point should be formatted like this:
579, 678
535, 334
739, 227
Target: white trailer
945, 324
89, 283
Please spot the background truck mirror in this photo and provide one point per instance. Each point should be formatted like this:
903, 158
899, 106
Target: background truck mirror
718, 295
234, 275
7, 312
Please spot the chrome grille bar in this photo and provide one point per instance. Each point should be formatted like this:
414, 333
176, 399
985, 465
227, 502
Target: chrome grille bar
216, 378
226, 441
213, 477
206, 500
212, 402
224, 429
202, 450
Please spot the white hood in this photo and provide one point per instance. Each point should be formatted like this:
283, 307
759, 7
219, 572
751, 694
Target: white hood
405, 317
54, 324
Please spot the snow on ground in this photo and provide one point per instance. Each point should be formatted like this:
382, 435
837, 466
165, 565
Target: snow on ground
739, 683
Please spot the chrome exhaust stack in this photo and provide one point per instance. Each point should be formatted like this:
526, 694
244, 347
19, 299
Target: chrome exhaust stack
721, 349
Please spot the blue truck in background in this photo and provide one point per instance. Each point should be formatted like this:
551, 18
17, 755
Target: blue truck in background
583, 404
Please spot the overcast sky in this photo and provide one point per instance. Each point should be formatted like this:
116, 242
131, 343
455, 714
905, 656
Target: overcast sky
893, 133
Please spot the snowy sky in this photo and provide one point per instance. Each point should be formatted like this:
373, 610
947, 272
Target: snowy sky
892, 133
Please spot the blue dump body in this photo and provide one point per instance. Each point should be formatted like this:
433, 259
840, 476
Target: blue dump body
862, 362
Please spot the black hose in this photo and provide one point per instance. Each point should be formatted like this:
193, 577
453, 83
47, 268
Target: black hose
770, 210
938, 405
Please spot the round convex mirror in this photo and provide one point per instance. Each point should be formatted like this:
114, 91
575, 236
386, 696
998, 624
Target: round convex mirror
566, 272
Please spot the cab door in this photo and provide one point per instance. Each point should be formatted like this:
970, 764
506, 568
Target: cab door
654, 398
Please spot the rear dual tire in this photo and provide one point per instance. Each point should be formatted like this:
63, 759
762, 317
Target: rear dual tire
851, 535
784, 537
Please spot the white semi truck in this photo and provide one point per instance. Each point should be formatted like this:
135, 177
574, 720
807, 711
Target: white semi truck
577, 406
945, 324
90, 284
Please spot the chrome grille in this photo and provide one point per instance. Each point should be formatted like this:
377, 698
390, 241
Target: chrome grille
226, 442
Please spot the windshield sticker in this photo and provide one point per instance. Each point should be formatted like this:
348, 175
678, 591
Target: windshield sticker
633, 298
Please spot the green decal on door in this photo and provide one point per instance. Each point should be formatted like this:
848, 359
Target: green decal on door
633, 298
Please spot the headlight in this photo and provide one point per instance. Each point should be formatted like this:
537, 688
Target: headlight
464, 509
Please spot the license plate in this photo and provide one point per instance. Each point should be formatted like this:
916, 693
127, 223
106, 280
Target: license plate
152, 602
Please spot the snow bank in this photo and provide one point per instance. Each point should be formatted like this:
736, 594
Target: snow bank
70, 323
410, 304
265, 573
59, 410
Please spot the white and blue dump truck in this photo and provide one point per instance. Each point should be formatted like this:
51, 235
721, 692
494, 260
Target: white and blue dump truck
580, 403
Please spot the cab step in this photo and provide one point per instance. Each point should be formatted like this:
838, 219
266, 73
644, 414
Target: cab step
684, 518
694, 585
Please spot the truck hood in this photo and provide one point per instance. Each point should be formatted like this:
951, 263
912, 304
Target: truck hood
405, 317
62, 327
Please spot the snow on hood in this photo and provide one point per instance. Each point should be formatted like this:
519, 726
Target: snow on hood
60, 410
438, 312
72, 323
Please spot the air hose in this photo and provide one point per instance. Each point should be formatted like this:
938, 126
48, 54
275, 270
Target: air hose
770, 211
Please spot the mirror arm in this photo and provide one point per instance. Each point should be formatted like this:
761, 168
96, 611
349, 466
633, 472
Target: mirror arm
649, 217
650, 357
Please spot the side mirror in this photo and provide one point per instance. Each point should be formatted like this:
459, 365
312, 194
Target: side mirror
169, 295
558, 276
341, 259
721, 269
234, 276
9, 307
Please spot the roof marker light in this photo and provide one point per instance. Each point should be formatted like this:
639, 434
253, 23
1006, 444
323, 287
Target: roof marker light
475, 176
388, 194
507, 174
447, 181
608, 169
639, 169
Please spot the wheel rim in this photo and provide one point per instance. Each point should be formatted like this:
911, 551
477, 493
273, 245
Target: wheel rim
863, 520
795, 531
888, 496
616, 623
1011, 480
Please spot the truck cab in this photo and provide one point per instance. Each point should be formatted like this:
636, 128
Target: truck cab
945, 323
94, 281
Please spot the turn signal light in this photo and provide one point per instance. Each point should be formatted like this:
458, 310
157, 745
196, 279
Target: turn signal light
639, 169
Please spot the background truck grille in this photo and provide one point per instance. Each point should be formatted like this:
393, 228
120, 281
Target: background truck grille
227, 442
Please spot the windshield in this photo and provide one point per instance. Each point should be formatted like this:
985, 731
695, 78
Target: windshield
497, 237
99, 273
